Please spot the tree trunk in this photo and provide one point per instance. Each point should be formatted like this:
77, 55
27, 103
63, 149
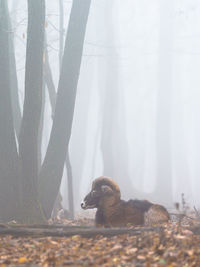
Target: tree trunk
49, 82
114, 143
52, 169
164, 106
28, 139
41, 127
61, 34
70, 186
52, 96
9, 191
67, 162
14, 81
182, 171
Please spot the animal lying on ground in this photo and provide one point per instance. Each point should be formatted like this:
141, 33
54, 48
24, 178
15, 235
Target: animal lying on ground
114, 212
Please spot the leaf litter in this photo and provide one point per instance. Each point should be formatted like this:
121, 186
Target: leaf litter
174, 245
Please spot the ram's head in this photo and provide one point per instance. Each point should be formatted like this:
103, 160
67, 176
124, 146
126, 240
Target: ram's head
103, 190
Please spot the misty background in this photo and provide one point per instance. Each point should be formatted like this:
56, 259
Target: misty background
136, 116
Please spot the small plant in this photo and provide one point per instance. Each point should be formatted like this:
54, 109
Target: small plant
182, 209
197, 213
185, 206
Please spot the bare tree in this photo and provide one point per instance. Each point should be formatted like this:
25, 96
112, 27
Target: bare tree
49, 81
61, 33
9, 174
52, 169
28, 139
41, 126
68, 163
13, 77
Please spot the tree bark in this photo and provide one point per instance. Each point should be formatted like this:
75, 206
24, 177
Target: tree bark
14, 81
28, 139
52, 96
61, 34
49, 82
9, 190
70, 186
41, 126
52, 169
67, 162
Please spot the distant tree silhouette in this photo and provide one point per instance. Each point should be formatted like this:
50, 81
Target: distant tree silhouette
163, 188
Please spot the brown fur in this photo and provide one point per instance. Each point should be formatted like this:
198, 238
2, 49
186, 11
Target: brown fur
114, 212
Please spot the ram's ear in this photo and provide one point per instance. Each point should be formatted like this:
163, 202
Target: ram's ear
106, 189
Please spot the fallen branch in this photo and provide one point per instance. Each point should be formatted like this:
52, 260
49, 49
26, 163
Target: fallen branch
68, 231
45, 226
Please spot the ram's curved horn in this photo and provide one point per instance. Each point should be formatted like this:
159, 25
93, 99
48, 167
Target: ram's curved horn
103, 180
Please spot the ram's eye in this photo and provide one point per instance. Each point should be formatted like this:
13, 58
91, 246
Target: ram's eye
94, 193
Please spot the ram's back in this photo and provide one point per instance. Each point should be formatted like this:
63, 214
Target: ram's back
132, 212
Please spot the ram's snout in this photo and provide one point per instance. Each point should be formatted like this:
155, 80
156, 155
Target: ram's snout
90, 201
83, 205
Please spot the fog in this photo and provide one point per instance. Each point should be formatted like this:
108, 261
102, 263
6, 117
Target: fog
136, 115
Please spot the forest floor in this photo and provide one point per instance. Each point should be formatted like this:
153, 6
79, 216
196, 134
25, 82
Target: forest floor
77, 243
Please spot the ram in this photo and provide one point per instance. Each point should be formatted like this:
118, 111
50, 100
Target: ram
112, 211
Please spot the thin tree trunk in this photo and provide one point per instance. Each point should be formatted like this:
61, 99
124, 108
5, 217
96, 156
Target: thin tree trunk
164, 106
9, 190
14, 83
41, 127
52, 169
70, 186
67, 163
49, 82
28, 139
14, 7
52, 96
196, 155
61, 29
182, 171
